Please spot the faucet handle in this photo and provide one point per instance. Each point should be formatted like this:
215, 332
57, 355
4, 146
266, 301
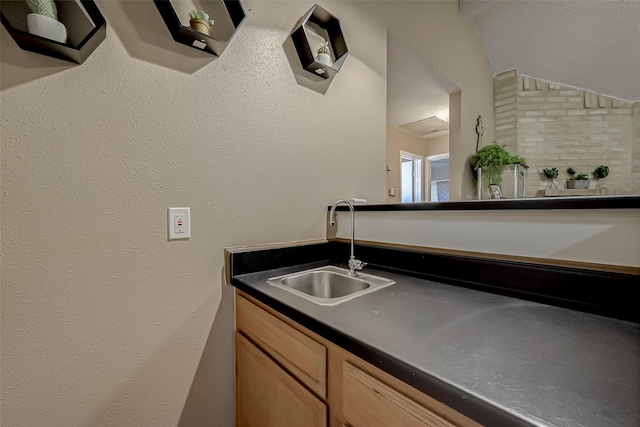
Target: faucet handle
355, 264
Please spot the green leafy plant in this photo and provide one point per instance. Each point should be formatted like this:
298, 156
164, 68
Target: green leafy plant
574, 175
601, 172
43, 7
492, 159
551, 173
201, 15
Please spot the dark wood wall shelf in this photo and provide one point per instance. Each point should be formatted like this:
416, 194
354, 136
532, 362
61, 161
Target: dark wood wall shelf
228, 15
86, 29
327, 26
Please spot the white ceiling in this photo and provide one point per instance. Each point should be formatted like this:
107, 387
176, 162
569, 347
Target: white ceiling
589, 44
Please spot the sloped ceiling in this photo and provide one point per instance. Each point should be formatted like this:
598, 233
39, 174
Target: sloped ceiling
416, 91
589, 44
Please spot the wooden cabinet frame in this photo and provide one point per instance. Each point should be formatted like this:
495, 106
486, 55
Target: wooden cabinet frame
250, 324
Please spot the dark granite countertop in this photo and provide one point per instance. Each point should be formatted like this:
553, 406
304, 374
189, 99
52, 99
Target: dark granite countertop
499, 360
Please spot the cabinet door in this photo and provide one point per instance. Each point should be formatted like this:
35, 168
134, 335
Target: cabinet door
296, 352
266, 396
368, 402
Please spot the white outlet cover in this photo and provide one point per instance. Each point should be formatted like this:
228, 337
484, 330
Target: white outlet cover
175, 232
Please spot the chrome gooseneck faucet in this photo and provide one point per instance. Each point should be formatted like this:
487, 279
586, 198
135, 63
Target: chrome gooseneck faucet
354, 264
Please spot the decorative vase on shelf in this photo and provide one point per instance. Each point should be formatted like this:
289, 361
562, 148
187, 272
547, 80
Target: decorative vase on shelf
600, 173
324, 54
552, 174
200, 21
43, 21
578, 184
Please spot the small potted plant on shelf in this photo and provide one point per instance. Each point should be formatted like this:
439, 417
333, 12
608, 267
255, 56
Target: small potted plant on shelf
200, 21
600, 173
491, 160
324, 54
43, 21
577, 180
552, 174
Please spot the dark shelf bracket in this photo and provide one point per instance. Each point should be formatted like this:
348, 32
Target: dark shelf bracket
324, 24
83, 37
195, 39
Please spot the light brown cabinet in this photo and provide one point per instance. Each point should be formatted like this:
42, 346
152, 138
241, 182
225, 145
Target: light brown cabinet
266, 396
288, 376
368, 402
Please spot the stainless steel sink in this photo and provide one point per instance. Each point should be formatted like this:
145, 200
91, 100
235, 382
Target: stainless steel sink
329, 285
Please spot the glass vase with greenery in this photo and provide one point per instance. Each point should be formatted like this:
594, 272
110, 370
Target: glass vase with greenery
491, 160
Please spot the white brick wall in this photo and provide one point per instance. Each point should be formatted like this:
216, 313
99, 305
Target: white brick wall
552, 125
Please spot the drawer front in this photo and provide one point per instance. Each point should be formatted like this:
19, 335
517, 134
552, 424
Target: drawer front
367, 402
267, 396
296, 352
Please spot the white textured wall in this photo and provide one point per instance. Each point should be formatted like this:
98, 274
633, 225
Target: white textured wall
105, 322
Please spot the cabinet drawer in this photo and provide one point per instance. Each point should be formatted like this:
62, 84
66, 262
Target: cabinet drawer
302, 356
267, 396
367, 402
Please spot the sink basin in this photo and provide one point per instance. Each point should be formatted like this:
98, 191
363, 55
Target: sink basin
329, 285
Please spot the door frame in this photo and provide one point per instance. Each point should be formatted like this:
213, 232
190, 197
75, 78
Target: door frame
427, 173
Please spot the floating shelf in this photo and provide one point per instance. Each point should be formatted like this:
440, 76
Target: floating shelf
561, 192
86, 29
321, 23
228, 15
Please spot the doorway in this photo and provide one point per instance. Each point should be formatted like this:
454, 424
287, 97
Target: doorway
411, 167
437, 177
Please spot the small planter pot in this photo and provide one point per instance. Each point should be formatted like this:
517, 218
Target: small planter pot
600, 183
200, 25
324, 58
578, 185
46, 27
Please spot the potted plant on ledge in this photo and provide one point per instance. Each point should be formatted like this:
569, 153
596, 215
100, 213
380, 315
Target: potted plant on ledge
600, 173
577, 180
552, 174
490, 161
200, 21
43, 20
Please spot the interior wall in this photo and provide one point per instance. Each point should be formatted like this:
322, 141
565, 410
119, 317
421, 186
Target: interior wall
554, 125
568, 235
437, 145
105, 322
434, 30
398, 140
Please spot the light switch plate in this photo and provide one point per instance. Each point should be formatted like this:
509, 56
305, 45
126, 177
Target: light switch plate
179, 223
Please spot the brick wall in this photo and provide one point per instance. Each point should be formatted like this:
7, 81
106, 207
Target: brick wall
553, 125
505, 91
